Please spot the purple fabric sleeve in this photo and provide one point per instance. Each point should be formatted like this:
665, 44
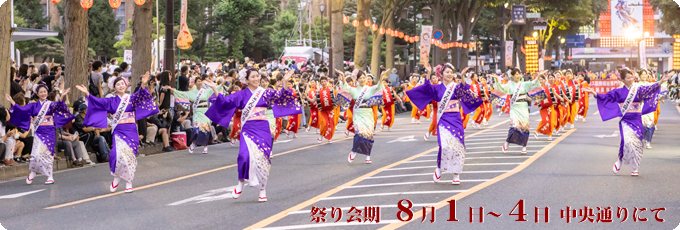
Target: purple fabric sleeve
143, 103
60, 113
282, 102
223, 108
468, 100
422, 95
21, 115
97, 110
608, 104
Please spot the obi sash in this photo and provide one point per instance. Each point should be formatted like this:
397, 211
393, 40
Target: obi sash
452, 106
127, 118
47, 121
635, 107
258, 113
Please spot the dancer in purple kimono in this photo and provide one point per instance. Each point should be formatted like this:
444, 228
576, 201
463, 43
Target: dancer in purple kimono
629, 103
125, 110
256, 139
451, 98
47, 115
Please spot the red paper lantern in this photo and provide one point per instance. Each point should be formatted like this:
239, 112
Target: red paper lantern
374, 27
140, 2
382, 31
114, 3
401, 34
417, 38
465, 46
355, 23
406, 37
86, 4
56, 1
389, 31
432, 42
367, 23
345, 19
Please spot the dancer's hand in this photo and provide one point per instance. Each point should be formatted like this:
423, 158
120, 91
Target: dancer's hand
9, 98
83, 89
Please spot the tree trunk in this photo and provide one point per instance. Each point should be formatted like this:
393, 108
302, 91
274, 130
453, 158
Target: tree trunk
336, 36
5, 50
389, 45
375, 56
75, 46
361, 45
437, 15
141, 40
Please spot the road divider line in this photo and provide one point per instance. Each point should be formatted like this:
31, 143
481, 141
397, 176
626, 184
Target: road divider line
478, 187
406, 183
175, 179
325, 195
393, 194
362, 207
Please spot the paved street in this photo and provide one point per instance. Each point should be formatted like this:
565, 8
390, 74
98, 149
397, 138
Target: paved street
179, 190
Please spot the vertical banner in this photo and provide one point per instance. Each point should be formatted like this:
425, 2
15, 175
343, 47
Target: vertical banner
625, 17
508, 53
519, 15
425, 41
184, 38
642, 54
127, 57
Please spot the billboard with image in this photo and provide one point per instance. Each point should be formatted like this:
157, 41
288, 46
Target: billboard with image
625, 16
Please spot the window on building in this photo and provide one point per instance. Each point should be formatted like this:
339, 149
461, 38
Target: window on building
120, 15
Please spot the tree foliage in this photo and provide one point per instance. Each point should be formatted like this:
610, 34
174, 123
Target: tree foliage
670, 19
236, 16
102, 30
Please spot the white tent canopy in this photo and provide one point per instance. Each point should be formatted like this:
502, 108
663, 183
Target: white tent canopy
24, 34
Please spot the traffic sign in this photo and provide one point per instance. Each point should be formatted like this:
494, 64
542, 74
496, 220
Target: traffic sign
576, 40
437, 35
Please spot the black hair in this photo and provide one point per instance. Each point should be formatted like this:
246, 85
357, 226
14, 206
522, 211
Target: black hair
34, 76
119, 70
96, 65
250, 70
624, 73
183, 69
123, 66
164, 77
514, 71
231, 73
323, 78
23, 70
116, 81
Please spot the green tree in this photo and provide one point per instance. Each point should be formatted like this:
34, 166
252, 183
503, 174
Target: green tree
284, 29
52, 47
216, 50
102, 29
125, 43
32, 12
670, 20
236, 15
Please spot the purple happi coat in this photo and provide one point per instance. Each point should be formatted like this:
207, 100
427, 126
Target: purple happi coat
451, 134
256, 139
42, 154
630, 125
142, 105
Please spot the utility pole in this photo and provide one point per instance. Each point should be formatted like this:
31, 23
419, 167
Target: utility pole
477, 45
503, 11
169, 59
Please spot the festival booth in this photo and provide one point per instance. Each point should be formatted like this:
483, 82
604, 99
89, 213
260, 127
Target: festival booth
299, 54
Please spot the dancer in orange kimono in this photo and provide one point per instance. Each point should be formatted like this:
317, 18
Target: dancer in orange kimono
548, 116
389, 96
313, 108
564, 105
486, 95
293, 120
583, 100
434, 80
415, 113
325, 100
235, 134
476, 88
574, 94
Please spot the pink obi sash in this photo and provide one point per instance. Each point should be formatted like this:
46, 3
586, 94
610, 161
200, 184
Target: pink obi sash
127, 118
635, 107
48, 120
452, 106
258, 113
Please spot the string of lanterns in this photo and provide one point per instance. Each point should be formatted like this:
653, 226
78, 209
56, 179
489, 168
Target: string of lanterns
407, 38
87, 4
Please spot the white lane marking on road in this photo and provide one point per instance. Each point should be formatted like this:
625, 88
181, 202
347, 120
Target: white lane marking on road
339, 224
403, 139
407, 183
17, 195
208, 196
393, 194
484, 143
484, 139
534, 113
615, 134
511, 146
422, 167
472, 158
283, 141
596, 113
362, 207
430, 174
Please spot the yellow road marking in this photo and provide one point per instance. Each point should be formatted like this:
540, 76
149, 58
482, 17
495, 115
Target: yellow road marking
474, 189
175, 179
328, 193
